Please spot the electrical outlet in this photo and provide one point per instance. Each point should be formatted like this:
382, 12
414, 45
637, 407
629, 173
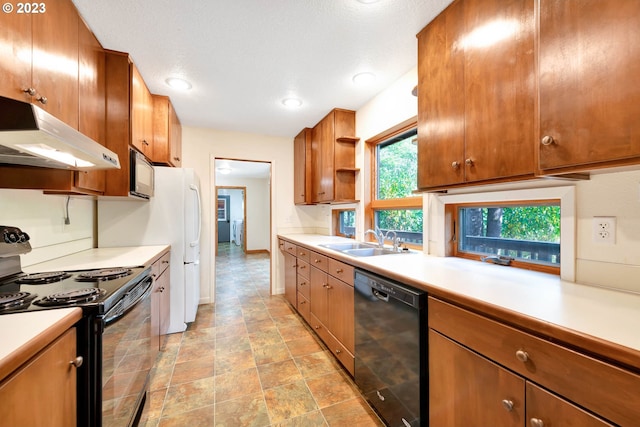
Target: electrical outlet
604, 229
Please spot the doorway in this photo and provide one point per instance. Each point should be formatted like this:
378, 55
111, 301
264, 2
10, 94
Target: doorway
243, 204
232, 212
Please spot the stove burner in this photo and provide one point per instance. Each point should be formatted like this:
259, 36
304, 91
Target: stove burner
104, 274
15, 300
76, 296
43, 278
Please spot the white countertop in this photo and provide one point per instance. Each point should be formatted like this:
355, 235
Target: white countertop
101, 258
602, 313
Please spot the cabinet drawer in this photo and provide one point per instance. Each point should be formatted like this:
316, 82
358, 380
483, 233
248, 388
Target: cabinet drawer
318, 261
336, 348
303, 307
601, 387
303, 253
303, 285
291, 248
303, 268
342, 271
158, 267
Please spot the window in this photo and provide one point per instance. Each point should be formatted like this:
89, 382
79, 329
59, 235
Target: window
526, 234
344, 221
393, 206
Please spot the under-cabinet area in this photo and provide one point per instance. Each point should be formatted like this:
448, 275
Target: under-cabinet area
502, 347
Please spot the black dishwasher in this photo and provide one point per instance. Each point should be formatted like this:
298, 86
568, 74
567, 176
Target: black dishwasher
391, 348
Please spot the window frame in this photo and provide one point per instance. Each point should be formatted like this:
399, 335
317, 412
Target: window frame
440, 217
335, 214
454, 214
372, 204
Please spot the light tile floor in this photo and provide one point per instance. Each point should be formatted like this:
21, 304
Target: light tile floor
250, 360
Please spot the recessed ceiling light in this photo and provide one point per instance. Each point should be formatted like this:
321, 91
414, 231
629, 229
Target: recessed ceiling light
368, 1
178, 83
364, 78
225, 170
292, 102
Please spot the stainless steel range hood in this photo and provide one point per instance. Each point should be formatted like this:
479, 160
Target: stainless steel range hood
30, 136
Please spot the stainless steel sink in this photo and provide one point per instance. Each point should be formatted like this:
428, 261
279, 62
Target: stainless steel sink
362, 252
341, 247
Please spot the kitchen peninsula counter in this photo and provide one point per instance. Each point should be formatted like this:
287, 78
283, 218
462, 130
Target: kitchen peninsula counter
598, 320
23, 335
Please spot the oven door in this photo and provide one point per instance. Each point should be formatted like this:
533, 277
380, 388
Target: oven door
127, 356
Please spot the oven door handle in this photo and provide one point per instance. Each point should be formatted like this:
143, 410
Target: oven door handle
120, 309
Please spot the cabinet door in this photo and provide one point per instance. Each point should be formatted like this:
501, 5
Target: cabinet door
340, 308
43, 392
175, 138
441, 100
55, 60
15, 67
589, 63
91, 101
468, 390
547, 410
290, 278
322, 156
302, 167
318, 295
499, 88
141, 113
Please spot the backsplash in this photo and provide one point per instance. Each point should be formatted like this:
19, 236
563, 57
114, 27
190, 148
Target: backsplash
43, 218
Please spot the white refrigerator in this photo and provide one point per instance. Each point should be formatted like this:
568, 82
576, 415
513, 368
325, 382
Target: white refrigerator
173, 217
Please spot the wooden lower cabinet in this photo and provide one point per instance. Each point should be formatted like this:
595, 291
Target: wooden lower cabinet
321, 290
160, 299
42, 393
482, 372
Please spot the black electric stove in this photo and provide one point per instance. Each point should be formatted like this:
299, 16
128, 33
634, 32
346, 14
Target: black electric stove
112, 300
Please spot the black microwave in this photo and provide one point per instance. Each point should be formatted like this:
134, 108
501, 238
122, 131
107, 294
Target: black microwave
141, 176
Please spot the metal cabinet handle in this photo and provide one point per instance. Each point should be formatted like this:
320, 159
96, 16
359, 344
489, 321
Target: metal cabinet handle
317, 327
302, 253
302, 302
77, 362
29, 91
303, 283
161, 289
176, 158
303, 266
339, 270
338, 351
468, 162
144, 141
507, 404
547, 140
522, 356
165, 261
537, 422
42, 99
455, 165
317, 261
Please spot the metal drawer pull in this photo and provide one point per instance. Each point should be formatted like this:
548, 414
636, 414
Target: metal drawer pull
507, 404
29, 91
522, 356
303, 253
469, 162
77, 362
455, 165
339, 270
316, 260
303, 266
537, 422
547, 140
338, 351
42, 99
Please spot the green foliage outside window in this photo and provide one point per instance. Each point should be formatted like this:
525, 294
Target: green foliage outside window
397, 169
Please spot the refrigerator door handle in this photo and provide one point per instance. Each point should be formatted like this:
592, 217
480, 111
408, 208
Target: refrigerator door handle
197, 191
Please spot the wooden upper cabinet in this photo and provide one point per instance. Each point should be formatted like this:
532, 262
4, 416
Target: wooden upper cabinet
333, 158
476, 90
55, 60
167, 133
91, 101
302, 167
15, 66
441, 100
141, 114
42, 66
589, 63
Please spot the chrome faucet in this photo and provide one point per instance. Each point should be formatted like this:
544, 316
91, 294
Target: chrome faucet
379, 236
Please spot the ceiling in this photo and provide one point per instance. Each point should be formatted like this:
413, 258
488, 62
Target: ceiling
242, 169
243, 57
